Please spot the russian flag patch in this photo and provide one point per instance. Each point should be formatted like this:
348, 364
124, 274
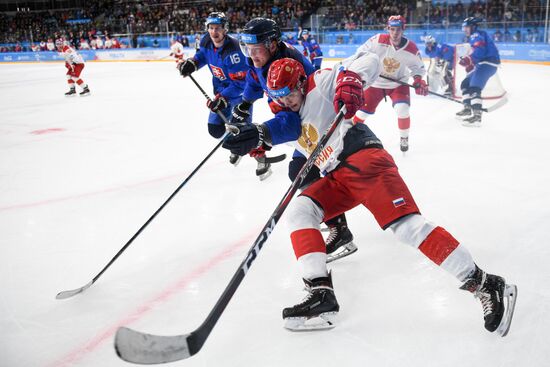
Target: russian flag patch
398, 202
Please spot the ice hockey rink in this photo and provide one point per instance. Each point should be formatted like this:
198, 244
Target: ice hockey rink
79, 176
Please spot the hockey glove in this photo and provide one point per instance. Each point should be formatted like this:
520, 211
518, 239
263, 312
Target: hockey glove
187, 67
312, 56
240, 113
467, 62
218, 104
251, 136
349, 91
420, 86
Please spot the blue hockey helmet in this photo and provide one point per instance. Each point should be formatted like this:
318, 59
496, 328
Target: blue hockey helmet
216, 18
429, 40
471, 22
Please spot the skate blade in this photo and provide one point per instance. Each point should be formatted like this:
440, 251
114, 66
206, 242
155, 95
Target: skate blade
462, 118
324, 321
510, 293
236, 163
473, 124
70, 95
346, 250
265, 175
85, 95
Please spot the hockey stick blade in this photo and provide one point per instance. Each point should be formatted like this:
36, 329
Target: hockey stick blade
74, 292
274, 159
140, 348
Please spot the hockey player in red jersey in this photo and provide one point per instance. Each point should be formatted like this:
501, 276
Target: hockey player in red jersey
358, 171
74, 64
176, 50
398, 57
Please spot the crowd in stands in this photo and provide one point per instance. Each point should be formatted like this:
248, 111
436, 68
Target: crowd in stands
93, 26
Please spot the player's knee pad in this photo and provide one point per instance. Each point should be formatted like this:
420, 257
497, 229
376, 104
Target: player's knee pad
294, 167
304, 213
216, 130
412, 229
402, 110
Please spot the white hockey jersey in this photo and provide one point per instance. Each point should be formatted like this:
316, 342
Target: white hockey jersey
177, 50
396, 63
317, 111
71, 56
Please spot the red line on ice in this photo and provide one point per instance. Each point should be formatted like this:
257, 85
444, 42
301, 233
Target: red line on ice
82, 351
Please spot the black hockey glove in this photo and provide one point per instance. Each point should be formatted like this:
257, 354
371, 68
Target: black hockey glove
187, 67
218, 104
251, 136
240, 113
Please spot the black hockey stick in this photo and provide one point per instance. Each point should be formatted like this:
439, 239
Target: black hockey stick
136, 347
497, 105
235, 130
70, 293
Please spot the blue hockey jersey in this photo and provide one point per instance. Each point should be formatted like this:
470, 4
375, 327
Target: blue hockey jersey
312, 47
227, 64
483, 48
442, 51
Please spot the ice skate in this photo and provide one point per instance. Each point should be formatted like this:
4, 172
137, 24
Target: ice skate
71, 92
498, 299
339, 242
404, 144
235, 159
263, 170
474, 120
318, 310
85, 91
464, 113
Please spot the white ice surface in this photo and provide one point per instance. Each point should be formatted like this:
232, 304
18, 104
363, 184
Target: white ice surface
79, 176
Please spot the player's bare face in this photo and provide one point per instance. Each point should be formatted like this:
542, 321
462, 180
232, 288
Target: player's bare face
467, 30
217, 34
259, 54
396, 33
293, 101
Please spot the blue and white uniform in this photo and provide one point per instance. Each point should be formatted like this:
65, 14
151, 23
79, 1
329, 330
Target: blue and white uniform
229, 68
442, 51
313, 50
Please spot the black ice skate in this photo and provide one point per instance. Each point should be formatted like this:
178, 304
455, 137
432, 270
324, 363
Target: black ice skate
318, 310
71, 92
404, 144
263, 170
474, 120
464, 113
498, 299
339, 242
85, 91
234, 159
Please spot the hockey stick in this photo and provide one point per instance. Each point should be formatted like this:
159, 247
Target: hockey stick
70, 293
235, 130
136, 347
501, 102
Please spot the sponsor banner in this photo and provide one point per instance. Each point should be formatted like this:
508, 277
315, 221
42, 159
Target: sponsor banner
508, 51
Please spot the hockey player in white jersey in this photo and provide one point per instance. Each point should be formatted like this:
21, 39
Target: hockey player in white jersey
399, 58
358, 171
74, 64
176, 50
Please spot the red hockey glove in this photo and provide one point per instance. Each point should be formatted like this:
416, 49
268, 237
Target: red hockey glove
467, 62
420, 86
312, 56
218, 104
349, 91
305, 53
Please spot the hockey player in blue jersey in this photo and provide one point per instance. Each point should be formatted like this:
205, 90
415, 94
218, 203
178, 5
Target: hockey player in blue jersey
312, 49
443, 54
261, 42
222, 54
481, 64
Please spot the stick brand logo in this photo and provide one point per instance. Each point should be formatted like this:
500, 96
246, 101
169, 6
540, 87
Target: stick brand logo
253, 253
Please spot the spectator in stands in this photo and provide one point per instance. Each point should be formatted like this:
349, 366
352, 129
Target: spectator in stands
517, 36
497, 36
50, 46
108, 42
84, 45
184, 41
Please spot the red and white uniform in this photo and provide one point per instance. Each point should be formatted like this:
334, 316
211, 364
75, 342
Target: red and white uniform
368, 176
398, 63
176, 50
74, 64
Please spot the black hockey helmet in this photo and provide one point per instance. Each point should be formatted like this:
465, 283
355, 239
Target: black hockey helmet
471, 22
216, 18
260, 30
